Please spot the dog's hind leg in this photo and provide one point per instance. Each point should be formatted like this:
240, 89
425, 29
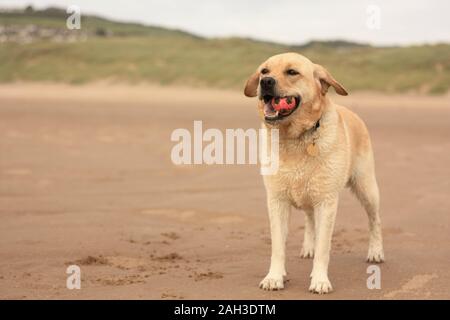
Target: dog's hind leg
364, 184
309, 236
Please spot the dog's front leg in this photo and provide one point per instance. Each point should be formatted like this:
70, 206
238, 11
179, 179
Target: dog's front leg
279, 211
325, 214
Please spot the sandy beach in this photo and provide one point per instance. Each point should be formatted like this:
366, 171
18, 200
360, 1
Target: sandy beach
86, 178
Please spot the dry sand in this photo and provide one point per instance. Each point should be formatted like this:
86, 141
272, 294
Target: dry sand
86, 178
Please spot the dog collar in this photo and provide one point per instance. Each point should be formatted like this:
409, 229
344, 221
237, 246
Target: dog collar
317, 125
312, 149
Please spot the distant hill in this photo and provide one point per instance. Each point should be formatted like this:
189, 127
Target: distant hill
37, 46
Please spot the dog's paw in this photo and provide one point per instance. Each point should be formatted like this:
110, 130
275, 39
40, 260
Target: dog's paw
307, 252
271, 282
320, 285
375, 256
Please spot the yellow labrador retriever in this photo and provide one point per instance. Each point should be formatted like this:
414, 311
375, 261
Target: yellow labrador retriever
323, 148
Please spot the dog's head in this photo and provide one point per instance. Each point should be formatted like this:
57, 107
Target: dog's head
291, 90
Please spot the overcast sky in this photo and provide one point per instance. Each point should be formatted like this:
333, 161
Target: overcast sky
288, 21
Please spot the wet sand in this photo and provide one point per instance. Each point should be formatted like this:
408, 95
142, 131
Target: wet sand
86, 179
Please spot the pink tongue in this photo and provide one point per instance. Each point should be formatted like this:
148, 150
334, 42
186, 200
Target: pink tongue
283, 104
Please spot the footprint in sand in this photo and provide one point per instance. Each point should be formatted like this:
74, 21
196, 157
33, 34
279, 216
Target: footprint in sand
139, 268
120, 262
90, 261
171, 257
171, 235
120, 281
171, 296
126, 263
199, 276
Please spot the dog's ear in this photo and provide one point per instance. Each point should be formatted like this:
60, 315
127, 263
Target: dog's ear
325, 80
252, 85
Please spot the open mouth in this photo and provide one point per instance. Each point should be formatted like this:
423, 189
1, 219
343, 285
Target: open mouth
277, 108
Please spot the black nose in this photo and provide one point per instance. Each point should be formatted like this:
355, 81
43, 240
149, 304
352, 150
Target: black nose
267, 83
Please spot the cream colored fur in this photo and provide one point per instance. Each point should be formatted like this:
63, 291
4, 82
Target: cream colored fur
313, 183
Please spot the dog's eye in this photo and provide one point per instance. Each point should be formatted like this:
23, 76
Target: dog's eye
292, 72
264, 71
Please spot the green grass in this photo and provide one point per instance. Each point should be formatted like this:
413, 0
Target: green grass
138, 53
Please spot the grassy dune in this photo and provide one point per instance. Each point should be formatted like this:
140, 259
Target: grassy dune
137, 53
